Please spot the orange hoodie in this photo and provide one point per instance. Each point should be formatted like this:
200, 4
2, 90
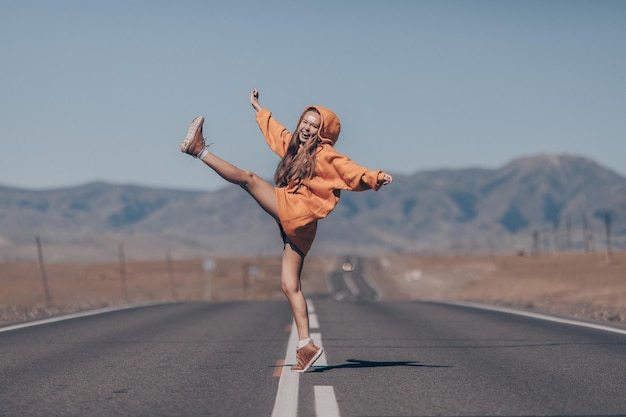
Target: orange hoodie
299, 207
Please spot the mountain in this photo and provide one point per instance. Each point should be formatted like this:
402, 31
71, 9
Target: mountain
543, 202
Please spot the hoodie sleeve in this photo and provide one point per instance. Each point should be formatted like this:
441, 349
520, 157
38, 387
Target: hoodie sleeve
275, 134
348, 175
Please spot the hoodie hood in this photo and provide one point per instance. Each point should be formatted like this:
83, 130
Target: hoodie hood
330, 126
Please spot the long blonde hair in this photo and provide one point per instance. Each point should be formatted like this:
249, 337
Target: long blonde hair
298, 163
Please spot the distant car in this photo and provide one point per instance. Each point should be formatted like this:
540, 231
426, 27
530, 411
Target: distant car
347, 266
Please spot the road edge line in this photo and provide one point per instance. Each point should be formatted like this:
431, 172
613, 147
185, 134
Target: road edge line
539, 316
77, 315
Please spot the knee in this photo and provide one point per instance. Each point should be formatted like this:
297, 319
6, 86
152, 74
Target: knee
289, 288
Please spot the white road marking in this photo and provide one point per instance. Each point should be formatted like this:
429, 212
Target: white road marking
286, 403
75, 316
352, 287
539, 316
313, 322
325, 401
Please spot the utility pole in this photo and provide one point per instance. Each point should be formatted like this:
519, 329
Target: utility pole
568, 231
586, 240
536, 242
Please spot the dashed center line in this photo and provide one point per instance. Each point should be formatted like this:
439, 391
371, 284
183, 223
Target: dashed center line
313, 323
325, 401
352, 287
286, 403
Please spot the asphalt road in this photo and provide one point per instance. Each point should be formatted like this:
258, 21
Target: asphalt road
414, 359
381, 359
170, 360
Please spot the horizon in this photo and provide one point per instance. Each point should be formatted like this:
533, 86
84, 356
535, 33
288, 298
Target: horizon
397, 175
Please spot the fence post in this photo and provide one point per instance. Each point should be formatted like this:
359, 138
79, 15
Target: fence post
123, 272
42, 267
208, 267
607, 224
170, 273
245, 283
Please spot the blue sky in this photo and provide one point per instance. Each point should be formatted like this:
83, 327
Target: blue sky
104, 91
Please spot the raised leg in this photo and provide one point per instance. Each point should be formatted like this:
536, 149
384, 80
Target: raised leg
262, 191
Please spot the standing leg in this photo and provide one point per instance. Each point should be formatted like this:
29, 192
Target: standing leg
290, 280
292, 288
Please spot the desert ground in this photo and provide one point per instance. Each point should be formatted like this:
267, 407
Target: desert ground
590, 286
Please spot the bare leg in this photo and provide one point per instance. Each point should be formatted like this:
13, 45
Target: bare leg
290, 283
262, 191
265, 194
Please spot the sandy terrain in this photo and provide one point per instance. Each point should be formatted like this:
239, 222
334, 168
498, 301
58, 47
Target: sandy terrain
576, 285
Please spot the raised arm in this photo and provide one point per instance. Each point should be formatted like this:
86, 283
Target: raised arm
348, 175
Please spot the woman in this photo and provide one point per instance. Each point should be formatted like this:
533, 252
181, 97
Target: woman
309, 179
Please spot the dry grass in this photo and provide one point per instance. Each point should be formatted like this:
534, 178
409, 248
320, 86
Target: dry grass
74, 287
579, 285
571, 284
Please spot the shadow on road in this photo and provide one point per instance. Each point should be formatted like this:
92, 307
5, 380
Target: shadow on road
357, 363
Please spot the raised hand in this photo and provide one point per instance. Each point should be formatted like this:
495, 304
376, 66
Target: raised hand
254, 99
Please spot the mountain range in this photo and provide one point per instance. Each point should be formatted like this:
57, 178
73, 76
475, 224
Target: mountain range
532, 204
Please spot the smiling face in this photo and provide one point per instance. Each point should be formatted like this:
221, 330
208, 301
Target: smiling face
309, 126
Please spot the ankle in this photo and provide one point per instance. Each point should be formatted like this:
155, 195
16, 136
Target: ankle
302, 343
204, 151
